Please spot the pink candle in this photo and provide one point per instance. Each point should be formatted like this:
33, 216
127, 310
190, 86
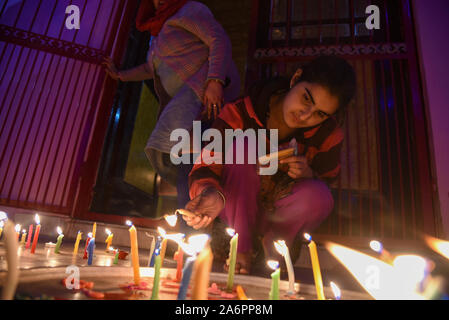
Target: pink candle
30, 232
36, 234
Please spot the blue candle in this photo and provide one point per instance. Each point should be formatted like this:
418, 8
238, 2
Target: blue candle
186, 274
156, 247
90, 251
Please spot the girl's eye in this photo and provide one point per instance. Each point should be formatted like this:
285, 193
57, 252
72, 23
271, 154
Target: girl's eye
321, 114
306, 97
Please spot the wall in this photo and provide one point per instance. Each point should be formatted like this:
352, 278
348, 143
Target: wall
432, 30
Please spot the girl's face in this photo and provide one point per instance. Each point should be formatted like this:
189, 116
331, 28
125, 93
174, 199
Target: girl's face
308, 104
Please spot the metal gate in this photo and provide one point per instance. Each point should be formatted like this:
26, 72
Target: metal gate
51, 88
385, 188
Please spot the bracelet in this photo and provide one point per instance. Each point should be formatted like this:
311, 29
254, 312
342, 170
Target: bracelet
216, 80
215, 189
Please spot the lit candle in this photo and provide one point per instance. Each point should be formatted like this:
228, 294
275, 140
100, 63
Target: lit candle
156, 278
2, 224
109, 239
186, 275
89, 236
232, 257
77, 243
384, 254
116, 256
30, 233
201, 274
171, 219
90, 251
157, 246
36, 233
315, 267
336, 291
12, 259
17, 228
94, 230
178, 256
152, 247
24, 234
282, 248
275, 278
134, 252
59, 240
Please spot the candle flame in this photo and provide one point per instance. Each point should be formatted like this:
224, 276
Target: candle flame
281, 247
108, 232
440, 246
411, 270
230, 231
171, 219
24, 231
59, 230
308, 237
18, 227
376, 246
89, 235
3, 215
37, 219
161, 232
381, 280
2, 224
176, 237
336, 290
273, 264
128, 223
195, 244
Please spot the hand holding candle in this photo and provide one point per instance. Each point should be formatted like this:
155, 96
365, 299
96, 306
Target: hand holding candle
59, 240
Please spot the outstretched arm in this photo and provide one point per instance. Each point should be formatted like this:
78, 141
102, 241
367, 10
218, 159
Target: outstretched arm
138, 73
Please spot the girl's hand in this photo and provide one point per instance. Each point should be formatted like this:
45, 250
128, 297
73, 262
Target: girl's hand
213, 98
110, 68
207, 206
298, 167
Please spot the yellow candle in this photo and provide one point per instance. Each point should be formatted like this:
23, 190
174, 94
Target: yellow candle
94, 230
241, 293
163, 249
24, 234
201, 273
134, 252
77, 243
109, 239
315, 267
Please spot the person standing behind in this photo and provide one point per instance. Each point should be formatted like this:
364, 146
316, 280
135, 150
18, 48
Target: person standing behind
190, 61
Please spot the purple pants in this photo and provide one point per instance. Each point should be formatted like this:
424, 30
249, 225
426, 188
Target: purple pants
309, 203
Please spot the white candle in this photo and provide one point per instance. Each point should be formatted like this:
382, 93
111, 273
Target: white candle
282, 248
12, 259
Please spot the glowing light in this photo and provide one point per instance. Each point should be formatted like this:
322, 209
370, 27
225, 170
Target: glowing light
273, 264
195, 244
381, 280
336, 290
171, 219
59, 230
440, 246
108, 232
128, 223
2, 224
3, 215
37, 219
308, 237
230, 231
281, 247
24, 231
411, 270
161, 232
376, 246
18, 227
89, 235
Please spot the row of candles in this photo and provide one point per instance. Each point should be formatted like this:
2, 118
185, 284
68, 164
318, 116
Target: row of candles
200, 259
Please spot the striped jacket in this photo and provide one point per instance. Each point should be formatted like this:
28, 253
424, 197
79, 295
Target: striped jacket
197, 48
321, 144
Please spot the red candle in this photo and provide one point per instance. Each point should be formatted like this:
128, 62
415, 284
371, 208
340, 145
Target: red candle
30, 232
179, 259
36, 234
89, 236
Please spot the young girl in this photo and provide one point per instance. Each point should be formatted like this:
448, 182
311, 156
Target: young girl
310, 108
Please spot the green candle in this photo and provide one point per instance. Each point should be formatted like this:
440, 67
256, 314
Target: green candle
59, 241
157, 271
275, 277
232, 257
116, 257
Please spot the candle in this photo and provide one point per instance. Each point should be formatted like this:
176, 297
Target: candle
178, 256
30, 233
59, 240
163, 249
108, 239
90, 250
157, 246
2, 224
24, 234
156, 278
282, 248
232, 257
134, 252
201, 273
36, 233
89, 236
275, 278
12, 259
116, 256
384, 254
153, 245
335, 290
94, 230
240, 293
77, 243
315, 267
17, 228
186, 275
